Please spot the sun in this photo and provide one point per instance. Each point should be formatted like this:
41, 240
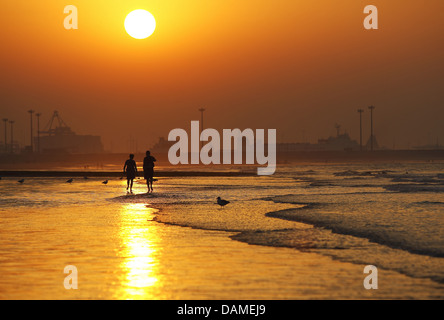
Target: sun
140, 24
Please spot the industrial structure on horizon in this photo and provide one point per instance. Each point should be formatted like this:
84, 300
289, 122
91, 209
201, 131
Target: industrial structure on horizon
59, 138
341, 142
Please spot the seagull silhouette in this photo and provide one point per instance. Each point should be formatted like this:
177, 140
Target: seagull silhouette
222, 202
69, 181
21, 181
105, 182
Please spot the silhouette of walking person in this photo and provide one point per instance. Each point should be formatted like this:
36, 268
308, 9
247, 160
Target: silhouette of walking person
130, 168
148, 170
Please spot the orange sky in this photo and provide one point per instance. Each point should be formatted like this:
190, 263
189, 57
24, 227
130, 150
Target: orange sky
298, 66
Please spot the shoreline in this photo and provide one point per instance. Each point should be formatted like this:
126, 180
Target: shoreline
67, 173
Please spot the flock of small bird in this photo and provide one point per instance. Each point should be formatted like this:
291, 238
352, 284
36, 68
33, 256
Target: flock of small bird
221, 202
67, 181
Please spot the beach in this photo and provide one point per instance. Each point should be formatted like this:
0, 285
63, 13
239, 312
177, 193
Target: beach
306, 232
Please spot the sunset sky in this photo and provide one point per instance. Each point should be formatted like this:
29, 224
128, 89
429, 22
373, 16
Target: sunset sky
298, 66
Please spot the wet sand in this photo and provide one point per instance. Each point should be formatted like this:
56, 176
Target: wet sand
133, 257
139, 247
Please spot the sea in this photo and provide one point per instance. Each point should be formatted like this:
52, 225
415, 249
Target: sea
306, 232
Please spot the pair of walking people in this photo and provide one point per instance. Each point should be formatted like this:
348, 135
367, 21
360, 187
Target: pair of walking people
130, 169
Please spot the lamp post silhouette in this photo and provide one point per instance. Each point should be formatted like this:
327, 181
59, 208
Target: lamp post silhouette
38, 131
32, 148
360, 127
338, 128
6, 142
202, 122
12, 135
371, 127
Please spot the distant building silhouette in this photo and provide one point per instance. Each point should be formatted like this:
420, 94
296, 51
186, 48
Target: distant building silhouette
59, 138
342, 142
436, 146
162, 146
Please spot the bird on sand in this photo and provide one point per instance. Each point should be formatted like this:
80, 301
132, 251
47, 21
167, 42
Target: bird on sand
21, 181
105, 182
69, 180
222, 202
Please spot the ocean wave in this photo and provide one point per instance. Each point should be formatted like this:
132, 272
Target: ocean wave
303, 239
439, 203
321, 184
389, 222
420, 179
353, 173
360, 228
304, 173
411, 188
347, 248
360, 231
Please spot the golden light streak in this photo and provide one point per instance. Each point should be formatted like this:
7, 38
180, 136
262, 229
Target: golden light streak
139, 250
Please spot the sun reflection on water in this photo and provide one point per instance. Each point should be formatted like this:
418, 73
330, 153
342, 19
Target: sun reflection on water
139, 249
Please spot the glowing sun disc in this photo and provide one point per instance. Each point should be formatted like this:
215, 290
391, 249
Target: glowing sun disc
140, 24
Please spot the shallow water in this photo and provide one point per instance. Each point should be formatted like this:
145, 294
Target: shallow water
304, 233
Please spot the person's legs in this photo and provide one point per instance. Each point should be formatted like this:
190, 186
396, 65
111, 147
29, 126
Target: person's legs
151, 183
131, 186
127, 183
